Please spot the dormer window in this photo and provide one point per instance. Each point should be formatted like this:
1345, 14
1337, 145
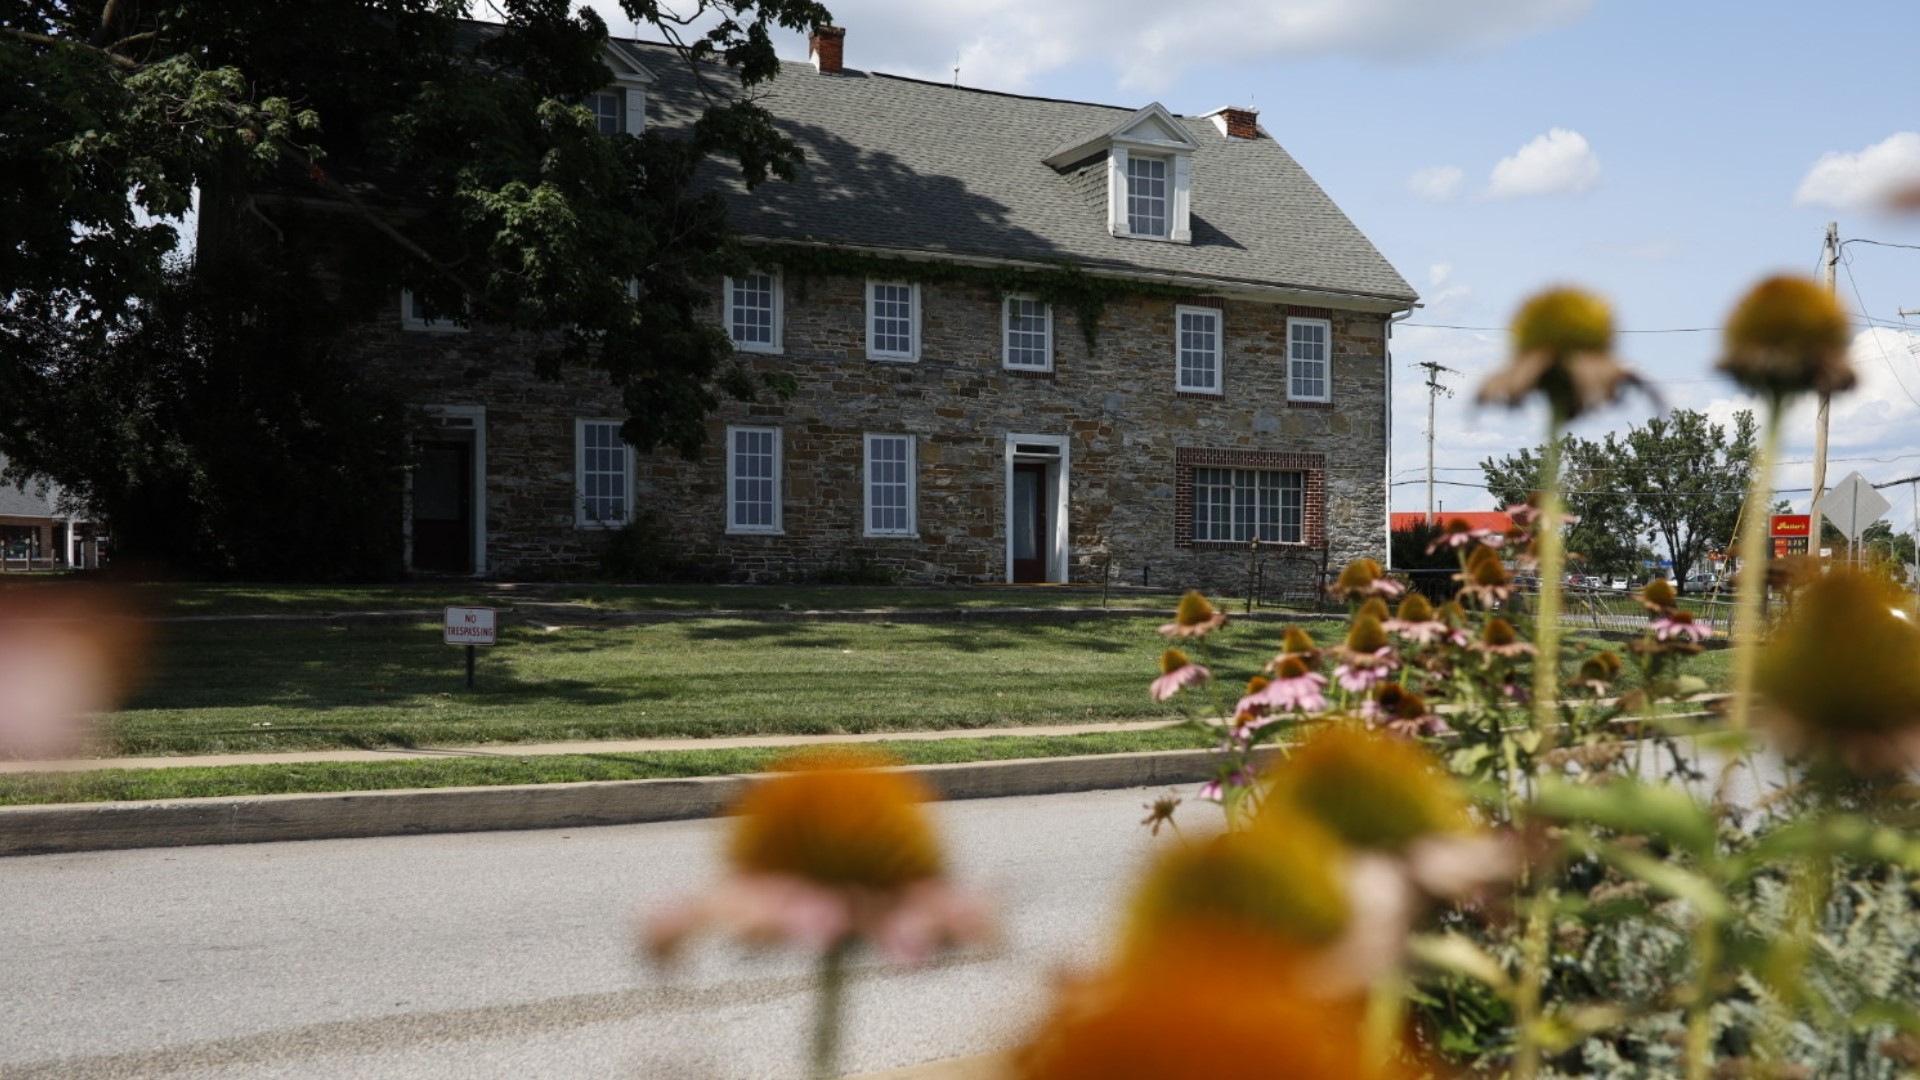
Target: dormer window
1148, 159
1146, 196
609, 111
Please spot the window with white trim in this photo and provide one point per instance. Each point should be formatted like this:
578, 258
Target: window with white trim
1237, 505
1198, 350
1309, 369
753, 480
609, 108
893, 320
1146, 195
753, 312
603, 474
413, 317
1028, 323
890, 485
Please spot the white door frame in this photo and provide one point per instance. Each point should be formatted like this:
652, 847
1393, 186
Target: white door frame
477, 414
1059, 473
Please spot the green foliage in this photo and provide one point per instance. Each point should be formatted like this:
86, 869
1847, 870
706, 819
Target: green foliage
358, 146
1678, 479
642, 551
1431, 572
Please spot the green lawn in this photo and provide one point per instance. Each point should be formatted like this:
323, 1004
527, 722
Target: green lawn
234, 687
106, 785
215, 687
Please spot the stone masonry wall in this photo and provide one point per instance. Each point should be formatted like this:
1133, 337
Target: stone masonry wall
1128, 433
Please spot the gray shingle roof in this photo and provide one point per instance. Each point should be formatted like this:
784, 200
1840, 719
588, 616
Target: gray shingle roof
902, 164
31, 501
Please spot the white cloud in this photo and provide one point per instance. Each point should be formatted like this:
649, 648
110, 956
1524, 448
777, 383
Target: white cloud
1443, 292
1010, 44
1863, 180
1557, 163
1438, 183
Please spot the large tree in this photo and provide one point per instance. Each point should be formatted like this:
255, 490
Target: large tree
341, 148
1678, 480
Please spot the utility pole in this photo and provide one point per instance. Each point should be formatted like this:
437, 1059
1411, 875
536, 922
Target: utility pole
1434, 389
1830, 258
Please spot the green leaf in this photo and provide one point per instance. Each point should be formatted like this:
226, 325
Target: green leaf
1627, 805
1452, 952
1671, 879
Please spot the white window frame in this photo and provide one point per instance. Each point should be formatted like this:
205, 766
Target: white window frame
912, 527
414, 324
912, 355
1233, 522
581, 519
1166, 195
1219, 387
618, 98
779, 315
1326, 360
1006, 333
779, 475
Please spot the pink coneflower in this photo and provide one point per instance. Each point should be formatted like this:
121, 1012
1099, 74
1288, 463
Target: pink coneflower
1363, 578
1679, 624
1216, 790
1399, 711
1176, 674
1367, 657
1485, 578
1194, 618
1458, 533
1416, 621
1499, 639
1296, 644
1293, 688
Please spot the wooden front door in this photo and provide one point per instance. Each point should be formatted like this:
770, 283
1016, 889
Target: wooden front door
1029, 524
443, 509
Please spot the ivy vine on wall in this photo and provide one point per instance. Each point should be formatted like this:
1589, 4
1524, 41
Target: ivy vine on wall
1061, 284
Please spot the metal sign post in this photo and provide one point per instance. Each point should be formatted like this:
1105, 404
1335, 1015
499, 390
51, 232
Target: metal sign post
469, 626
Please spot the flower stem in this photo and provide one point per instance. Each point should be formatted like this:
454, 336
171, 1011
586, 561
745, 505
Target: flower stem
1748, 620
1553, 560
1706, 949
1534, 948
827, 1008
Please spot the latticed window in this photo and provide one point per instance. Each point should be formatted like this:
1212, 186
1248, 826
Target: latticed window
1308, 342
1199, 350
753, 312
1147, 196
890, 320
606, 107
605, 473
753, 479
1029, 334
889, 485
1241, 504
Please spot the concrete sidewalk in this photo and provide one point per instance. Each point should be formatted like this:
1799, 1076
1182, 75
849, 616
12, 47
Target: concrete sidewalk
590, 747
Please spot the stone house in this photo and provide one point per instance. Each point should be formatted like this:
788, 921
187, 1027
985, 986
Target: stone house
953, 419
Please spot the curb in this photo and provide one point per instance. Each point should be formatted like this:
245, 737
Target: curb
72, 827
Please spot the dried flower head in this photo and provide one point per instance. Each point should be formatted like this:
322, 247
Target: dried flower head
1366, 634
1375, 608
1788, 335
1562, 348
1296, 644
1485, 578
1200, 1005
1363, 578
1842, 674
1416, 621
1284, 888
1399, 711
1598, 671
1176, 674
1160, 812
836, 818
1658, 596
1195, 617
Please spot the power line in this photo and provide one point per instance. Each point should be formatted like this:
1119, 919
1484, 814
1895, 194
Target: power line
1848, 264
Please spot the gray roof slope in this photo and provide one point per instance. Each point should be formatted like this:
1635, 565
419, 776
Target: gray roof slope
30, 501
905, 164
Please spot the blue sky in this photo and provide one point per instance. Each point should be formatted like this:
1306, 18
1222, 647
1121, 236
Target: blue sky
1665, 154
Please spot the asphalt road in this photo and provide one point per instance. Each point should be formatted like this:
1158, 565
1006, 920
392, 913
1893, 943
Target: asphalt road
508, 955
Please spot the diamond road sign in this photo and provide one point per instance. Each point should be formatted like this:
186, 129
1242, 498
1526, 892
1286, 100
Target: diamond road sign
1852, 505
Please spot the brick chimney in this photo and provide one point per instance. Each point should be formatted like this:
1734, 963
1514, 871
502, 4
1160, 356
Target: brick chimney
827, 45
1240, 123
